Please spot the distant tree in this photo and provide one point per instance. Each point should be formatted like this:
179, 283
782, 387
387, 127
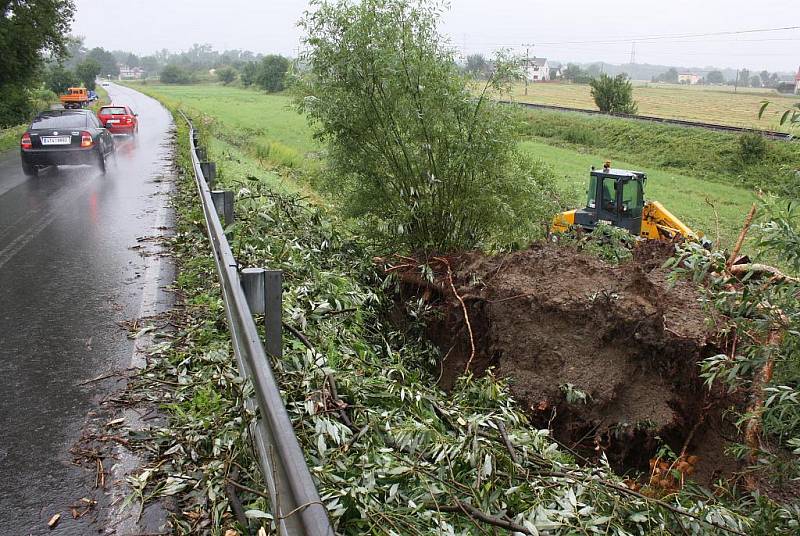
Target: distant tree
715, 77
613, 94
30, 31
755, 81
175, 74
87, 72
107, 61
150, 65
76, 52
132, 60
227, 74
743, 78
248, 74
670, 76
594, 70
574, 73
271, 73
57, 78
477, 65
764, 75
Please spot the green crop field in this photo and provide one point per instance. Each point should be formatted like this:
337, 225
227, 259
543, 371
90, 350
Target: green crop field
695, 103
243, 118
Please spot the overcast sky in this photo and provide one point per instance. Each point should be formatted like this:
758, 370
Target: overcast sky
568, 30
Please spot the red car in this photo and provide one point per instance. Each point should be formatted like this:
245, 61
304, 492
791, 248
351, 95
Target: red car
119, 120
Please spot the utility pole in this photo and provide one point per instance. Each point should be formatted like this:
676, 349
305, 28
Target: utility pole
736, 84
527, 59
633, 52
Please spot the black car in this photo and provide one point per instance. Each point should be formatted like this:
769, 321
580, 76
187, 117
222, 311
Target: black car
65, 137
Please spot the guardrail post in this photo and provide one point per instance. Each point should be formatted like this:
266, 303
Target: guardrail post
209, 170
273, 311
253, 285
223, 202
264, 292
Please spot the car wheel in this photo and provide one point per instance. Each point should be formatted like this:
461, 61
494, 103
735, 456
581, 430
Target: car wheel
101, 161
29, 170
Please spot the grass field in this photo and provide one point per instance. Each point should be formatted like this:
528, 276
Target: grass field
242, 118
695, 103
264, 121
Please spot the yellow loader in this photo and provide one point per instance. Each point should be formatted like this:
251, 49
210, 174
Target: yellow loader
616, 197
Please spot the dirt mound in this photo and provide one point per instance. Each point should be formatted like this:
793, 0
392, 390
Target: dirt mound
604, 355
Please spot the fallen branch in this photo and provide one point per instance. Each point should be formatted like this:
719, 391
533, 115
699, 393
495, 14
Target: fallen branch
752, 434
299, 334
329, 379
634, 493
756, 268
748, 221
463, 308
235, 502
509, 445
245, 488
471, 511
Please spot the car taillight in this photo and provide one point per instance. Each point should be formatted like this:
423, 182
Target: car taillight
128, 119
25, 142
86, 139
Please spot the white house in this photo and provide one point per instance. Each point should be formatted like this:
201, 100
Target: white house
538, 70
689, 78
130, 73
797, 82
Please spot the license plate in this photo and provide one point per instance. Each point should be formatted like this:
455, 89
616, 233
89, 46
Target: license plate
113, 121
56, 140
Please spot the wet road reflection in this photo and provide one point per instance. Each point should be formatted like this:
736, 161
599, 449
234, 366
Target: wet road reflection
67, 276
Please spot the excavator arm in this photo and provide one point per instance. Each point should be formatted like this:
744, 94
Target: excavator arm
660, 223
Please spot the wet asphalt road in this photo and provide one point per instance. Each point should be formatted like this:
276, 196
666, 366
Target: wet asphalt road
67, 276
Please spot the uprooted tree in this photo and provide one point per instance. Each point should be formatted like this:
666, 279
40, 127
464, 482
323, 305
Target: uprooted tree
430, 164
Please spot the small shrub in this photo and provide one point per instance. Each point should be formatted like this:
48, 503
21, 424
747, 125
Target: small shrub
227, 75
613, 95
752, 147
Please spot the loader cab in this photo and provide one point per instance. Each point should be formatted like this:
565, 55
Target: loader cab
616, 197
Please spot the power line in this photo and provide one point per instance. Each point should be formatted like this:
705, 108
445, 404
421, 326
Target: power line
659, 37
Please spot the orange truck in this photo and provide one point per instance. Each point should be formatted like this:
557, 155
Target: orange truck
75, 97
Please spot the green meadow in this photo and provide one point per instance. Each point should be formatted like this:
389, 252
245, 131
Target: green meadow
258, 133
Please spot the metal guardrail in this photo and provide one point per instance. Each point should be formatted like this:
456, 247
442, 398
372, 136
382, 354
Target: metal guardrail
781, 136
296, 506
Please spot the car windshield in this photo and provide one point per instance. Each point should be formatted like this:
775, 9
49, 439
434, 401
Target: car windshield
113, 111
60, 121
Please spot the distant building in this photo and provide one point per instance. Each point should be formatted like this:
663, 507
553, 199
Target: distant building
797, 82
538, 70
689, 78
556, 71
130, 73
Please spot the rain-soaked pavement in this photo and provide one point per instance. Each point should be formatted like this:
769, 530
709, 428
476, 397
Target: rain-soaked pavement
68, 275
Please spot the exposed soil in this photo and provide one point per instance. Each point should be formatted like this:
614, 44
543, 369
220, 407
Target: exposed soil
556, 323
